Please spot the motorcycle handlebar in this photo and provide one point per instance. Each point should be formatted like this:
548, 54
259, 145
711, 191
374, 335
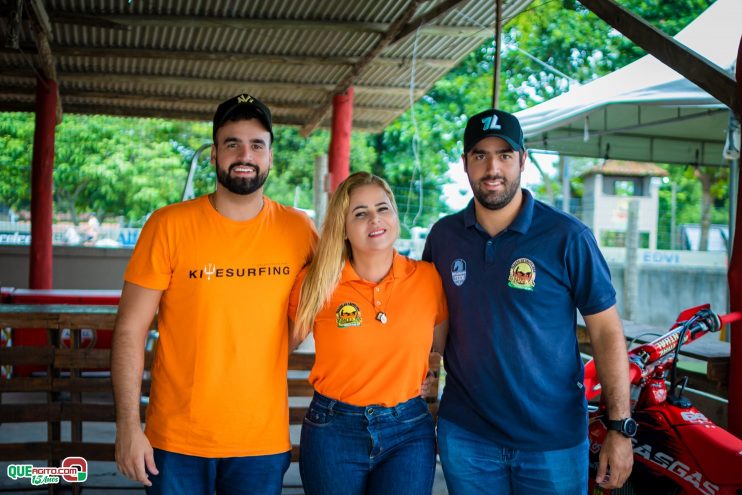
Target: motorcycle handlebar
706, 321
729, 318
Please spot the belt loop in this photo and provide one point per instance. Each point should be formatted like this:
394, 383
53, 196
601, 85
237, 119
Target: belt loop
330, 406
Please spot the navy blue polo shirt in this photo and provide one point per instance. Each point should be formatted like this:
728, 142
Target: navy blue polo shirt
514, 373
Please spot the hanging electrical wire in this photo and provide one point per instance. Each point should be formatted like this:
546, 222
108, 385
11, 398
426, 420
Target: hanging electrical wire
415, 142
416, 169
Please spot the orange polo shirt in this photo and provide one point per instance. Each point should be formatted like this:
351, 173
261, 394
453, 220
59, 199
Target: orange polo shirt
362, 361
219, 374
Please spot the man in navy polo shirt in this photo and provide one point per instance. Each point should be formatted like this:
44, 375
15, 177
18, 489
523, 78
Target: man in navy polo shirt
513, 417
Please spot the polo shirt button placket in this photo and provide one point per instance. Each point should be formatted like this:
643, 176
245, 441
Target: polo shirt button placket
489, 252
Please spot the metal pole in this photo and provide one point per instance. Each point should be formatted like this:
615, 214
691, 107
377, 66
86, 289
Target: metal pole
733, 183
320, 189
42, 170
631, 265
735, 299
673, 212
342, 127
188, 192
498, 50
565, 182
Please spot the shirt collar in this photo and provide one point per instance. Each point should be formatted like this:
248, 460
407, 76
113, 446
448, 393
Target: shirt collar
521, 223
400, 266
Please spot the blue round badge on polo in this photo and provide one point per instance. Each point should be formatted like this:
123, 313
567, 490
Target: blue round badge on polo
458, 271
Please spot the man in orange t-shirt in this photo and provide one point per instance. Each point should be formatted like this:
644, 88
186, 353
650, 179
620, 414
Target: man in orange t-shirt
220, 269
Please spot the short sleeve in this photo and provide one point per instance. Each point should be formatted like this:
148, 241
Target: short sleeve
151, 262
295, 292
589, 275
428, 249
441, 313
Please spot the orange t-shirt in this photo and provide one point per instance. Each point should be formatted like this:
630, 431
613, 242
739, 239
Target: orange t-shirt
219, 374
360, 360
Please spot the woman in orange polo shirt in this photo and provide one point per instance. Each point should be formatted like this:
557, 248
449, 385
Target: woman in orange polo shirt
373, 313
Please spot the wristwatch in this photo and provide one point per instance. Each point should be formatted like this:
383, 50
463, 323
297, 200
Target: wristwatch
626, 427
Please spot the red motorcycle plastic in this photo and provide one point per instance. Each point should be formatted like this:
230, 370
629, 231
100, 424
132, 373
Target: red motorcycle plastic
677, 450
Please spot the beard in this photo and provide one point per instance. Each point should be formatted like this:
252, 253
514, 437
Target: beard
241, 185
495, 200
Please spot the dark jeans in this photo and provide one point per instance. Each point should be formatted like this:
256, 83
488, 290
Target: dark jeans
351, 450
190, 475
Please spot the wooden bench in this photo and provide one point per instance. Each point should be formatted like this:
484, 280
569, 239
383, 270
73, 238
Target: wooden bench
75, 396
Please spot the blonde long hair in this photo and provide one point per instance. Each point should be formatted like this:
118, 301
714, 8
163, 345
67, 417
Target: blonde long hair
333, 250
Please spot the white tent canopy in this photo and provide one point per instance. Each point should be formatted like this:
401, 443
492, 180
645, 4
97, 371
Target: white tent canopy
645, 111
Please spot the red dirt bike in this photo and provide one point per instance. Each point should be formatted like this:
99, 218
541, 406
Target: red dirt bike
677, 450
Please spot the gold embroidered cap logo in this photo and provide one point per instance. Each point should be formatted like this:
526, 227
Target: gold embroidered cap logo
522, 274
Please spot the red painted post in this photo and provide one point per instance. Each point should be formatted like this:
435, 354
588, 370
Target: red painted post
342, 125
735, 295
42, 168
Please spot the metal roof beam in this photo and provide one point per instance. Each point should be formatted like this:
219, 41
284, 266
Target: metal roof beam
358, 68
697, 69
43, 31
421, 21
127, 21
208, 103
225, 85
105, 108
397, 31
68, 51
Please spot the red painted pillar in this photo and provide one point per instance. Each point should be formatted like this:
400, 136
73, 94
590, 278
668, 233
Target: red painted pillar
342, 125
42, 168
735, 294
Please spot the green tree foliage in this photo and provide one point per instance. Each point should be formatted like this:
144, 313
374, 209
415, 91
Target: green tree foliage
110, 166
562, 34
292, 177
16, 142
127, 168
689, 201
574, 41
118, 167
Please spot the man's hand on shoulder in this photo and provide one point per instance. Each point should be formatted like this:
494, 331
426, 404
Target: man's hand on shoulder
134, 454
616, 461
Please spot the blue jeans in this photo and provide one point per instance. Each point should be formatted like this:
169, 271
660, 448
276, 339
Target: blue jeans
352, 450
190, 475
473, 465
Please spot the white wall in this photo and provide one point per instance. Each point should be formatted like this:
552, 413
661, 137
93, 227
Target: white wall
73, 267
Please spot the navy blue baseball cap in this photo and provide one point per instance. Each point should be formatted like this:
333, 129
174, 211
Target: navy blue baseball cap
243, 104
494, 123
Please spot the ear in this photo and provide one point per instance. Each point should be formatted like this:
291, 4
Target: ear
213, 154
523, 155
463, 160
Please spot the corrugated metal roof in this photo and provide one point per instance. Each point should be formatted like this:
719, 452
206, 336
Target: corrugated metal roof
179, 59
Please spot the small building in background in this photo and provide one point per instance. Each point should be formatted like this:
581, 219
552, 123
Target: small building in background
609, 188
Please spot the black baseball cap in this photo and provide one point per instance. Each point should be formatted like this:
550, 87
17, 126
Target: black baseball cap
244, 104
493, 123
